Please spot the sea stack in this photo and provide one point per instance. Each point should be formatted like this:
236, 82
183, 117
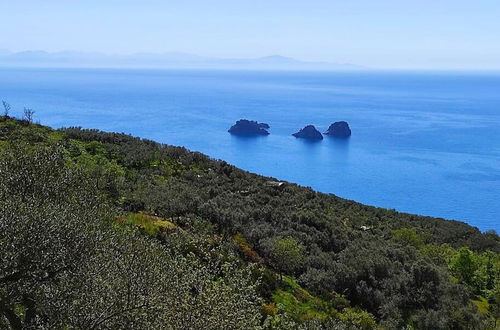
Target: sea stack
249, 128
339, 129
309, 132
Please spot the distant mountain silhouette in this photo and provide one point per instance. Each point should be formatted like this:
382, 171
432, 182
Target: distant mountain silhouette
36, 58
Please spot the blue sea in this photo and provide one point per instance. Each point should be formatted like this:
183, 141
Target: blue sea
422, 142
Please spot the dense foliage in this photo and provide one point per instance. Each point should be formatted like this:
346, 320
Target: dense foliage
104, 230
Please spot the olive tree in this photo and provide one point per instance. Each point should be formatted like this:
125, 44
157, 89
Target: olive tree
65, 265
47, 229
287, 254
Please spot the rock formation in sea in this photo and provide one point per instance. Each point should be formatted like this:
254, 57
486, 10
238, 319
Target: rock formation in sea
309, 132
249, 128
339, 129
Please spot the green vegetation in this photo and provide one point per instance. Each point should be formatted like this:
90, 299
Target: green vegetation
299, 303
287, 255
106, 231
151, 225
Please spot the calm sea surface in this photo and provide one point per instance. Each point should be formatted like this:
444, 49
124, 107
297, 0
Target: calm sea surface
423, 142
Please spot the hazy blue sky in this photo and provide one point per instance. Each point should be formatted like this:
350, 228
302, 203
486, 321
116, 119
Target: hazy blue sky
378, 33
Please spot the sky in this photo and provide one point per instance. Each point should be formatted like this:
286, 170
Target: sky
430, 34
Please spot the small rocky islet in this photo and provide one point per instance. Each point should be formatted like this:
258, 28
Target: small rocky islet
245, 127
339, 129
309, 132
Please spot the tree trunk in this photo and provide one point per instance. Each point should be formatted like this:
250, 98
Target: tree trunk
14, 320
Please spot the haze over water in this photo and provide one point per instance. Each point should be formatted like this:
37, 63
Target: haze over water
423, 142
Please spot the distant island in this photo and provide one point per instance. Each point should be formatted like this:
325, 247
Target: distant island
249, 127
309, 132
173, 60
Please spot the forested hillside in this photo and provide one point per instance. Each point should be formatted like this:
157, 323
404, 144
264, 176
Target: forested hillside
104, 231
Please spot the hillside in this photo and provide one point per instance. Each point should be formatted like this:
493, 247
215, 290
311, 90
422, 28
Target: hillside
104, 230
